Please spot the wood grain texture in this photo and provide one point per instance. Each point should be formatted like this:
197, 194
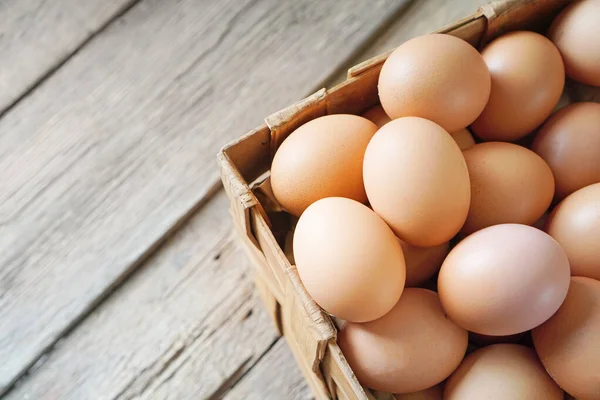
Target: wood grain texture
110, 154
275, 376
419, 18
37, 36
184, 326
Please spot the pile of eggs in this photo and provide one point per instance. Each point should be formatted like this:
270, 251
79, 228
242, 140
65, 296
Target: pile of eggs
503, 233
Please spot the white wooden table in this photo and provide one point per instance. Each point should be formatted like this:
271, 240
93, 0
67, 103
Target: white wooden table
119, 277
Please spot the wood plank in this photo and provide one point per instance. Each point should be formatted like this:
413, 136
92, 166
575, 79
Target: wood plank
38, 36
109, 155
275, 376
184, 326
419, 18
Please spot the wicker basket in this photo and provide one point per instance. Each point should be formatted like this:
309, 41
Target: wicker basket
264, 229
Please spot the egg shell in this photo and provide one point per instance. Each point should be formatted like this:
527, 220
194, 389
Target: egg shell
568, 344
463, 138
433, 393
575, 31
422, 262
411, 348
528, 77
569, 142
502, 372
504, 280
322, 158
509, 184
377, 115
348, 259
428, 77
417, 180
575, 224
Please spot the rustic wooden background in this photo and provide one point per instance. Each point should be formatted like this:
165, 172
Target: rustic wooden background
119, 277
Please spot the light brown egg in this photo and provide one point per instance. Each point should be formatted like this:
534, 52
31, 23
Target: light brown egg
417, 180
502, 372
427, 77
504, 280
570, 143
463, 139
575, 224
569, 343
322, 158
528, 77
377, 116
422, 262
509, 184
575, 32
433, 393
348, 259
411, 348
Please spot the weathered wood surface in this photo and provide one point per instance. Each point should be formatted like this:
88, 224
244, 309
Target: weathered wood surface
108, 156
186, 325
38, 36
275, 376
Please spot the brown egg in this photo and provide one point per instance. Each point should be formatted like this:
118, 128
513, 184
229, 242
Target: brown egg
417, 180
504, 280
575, 32
377, 116
463, 139
575, 224
509, 184
422, 262
348, 259
570, 143
427, 77
502, 372
322, 158
528, 77
433, 393
569, 343
411, 348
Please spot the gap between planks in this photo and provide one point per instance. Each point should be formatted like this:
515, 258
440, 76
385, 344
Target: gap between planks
113, 196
